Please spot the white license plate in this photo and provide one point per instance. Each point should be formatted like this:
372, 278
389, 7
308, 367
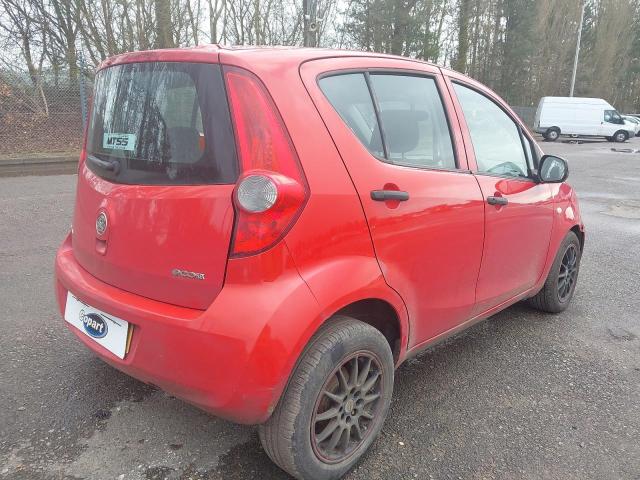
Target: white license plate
109, 331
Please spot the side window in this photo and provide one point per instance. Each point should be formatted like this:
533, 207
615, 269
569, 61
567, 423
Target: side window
415, 127
349, 95
496, 138
612, 116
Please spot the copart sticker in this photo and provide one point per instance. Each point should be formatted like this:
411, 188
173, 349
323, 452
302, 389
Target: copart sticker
119, 141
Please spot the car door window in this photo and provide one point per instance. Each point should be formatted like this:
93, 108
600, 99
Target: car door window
350, 96
414, 124
611, 116
410, 114
496, 138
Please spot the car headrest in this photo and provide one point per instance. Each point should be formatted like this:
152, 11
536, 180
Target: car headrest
184, 144
401, 129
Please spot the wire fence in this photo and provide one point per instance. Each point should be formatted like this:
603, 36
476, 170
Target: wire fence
45, 114
526, 114
42, 114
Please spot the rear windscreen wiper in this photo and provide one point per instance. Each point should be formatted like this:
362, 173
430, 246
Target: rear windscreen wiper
111, 165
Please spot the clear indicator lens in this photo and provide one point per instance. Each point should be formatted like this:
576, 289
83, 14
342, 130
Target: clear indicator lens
257, 193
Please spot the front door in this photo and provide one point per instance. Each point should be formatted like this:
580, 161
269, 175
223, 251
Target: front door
611, 123
424, 208
518, 209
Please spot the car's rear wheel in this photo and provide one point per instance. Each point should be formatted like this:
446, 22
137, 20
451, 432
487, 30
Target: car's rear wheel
621, 136
335, 403
552, 134
557, 292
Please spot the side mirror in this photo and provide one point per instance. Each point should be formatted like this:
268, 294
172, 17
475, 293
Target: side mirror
553, 169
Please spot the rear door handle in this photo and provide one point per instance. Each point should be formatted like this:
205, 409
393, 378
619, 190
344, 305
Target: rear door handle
497, 200
384, 195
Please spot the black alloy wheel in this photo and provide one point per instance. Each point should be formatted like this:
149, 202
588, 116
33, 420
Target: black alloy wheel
560, 284
335, 403
568, 273
347, 407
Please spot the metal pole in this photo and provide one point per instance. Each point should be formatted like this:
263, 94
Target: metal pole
575, 60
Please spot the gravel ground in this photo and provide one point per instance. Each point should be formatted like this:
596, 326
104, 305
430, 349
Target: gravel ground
521, 395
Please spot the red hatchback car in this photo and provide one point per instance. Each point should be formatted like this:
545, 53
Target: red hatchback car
267, 232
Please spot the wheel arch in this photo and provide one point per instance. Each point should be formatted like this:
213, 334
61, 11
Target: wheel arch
567, 218
622, 131
355, 286
350, 286
580, 234
381, 315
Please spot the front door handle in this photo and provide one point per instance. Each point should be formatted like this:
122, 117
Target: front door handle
385, 195
497, 200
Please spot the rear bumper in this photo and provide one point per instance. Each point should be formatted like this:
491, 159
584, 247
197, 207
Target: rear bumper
233, 359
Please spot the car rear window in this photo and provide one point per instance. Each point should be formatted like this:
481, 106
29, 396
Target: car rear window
161, 123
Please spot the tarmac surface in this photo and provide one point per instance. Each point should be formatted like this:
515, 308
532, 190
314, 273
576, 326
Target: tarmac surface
522, 395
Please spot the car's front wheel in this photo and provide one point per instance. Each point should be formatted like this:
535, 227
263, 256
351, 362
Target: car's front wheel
335, 403
558, 289
621, 136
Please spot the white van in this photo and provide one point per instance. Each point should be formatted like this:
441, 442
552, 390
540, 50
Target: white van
592, 117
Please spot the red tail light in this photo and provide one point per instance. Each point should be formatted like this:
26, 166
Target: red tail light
272, 188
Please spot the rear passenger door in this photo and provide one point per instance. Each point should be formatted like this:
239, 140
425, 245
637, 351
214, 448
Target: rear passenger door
424, 209
519, 209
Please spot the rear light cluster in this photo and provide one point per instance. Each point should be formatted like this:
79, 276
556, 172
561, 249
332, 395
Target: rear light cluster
272, 189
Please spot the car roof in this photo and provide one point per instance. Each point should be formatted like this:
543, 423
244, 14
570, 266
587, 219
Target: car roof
584, 100
245, 54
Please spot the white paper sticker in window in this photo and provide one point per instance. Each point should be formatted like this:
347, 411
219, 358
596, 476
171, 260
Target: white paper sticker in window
119, 141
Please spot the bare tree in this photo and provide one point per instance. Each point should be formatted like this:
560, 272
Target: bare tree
460, 63
164, 28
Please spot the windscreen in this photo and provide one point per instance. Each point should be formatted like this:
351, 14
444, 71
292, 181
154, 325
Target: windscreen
161, 123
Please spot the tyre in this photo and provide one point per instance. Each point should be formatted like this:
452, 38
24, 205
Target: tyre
334, 404
561, 282
621, 136
552, 134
